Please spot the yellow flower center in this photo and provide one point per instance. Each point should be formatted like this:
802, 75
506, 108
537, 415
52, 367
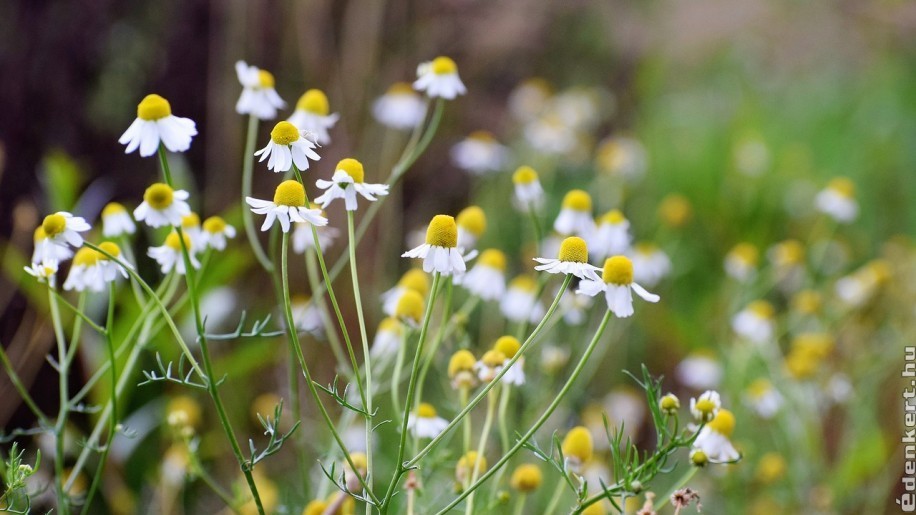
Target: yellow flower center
461, 361
113, 208
391, 325
705, 406
426, 410
699, 458
39, 234
789, 252
444, 66
493, 258
524, 283
159, 196
360, 460
172, 241
86, 257
493, 358
190, 221
482, 136
442, 232
410, 306
762, 309
214, 225
675, 210
880, 270
153, 107
400, 88
577, 200
526, 478
843, 187
54, 224
266, 79
573, 249
415, 279
290, 193
746, 253
353, 168
284, 133
669, 403
723, 423
771, 467
473, 220
111, 248
578, 444
759, 388
618, 270
315, 507
508, 345
524, 175
613, 217
314, 101
807, 302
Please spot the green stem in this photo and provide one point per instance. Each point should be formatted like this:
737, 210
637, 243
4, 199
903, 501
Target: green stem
481, 447
77, 326
544, 416
61, 424
396, 375
311, 268
520, 504
555, 498
113, 419
365, 340
247, 215
23, 391
294, 336
434, 348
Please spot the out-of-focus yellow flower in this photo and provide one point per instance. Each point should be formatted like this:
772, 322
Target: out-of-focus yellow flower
527, 478
675, 210
771, 468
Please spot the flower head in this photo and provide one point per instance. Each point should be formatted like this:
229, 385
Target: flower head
509, 346
577, 448
440, 252
472, 222
413, 279
347, 181
461, 369
489, 365
215, 232
439, 78
480, 154
755, 322
611, 236
93, 270
650, 264
528, 191
669, 404
303, 239
47, 250
470, 465
763, 398
155, 124
44, 271
259, 98
410, 307
617, 284
487, 279
521, 300
425, 423
675, 210
838, 200
700, 371
116, 221
741, 262
313, 115
526, 478
169, 254
400, 108
288, 146
163, 206
571, 259
388, 337
62, 229
288, 205
713, 439
575, 216
622, 156
705, 407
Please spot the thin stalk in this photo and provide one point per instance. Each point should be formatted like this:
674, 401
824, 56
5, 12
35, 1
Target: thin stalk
542, 419
294, 336
129, 256
63, 368
23, 391
434, 348
688, 475
481, 447
520, 504
311, 268
367, 360
464, 394
396, 375
538, 234
77, 332
78, 311
504, 396
113, 419
555, 498
247, 215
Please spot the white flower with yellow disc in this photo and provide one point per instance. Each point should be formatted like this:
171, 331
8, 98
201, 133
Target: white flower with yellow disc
487, 279
259, 98
400, 108
440, 252
347, 181
288, 205
156, 124
169, 254
480, 154
215, 232
439, 78
571, 259
617, 284
93, 270
162, 206
288, 145
575, 218
425, 423
62, 229
116, 221
313, 115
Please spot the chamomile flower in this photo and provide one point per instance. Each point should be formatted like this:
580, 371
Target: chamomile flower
699, 370
44, 272
93, 270
622, 156
526, 478
46, 250
409, 308
259, 98
288, 205
190, 225
705, 407
530, 98
480, 154
755, 322
575, 218
162, 206
116, 221
425, 423
413, 279
472, 222
313, 115
487, 279
650, 264
288, 146
578, 448
611, 236
440, 253
860, 286
741, 262
156, 124
509, 346
838, 200
169, 255
807, 353
470, 465
520, 303
303, 239
439, 78
572, 259
62, 229
675, 210
528, 191
550, 135
713, 439
346, 182
387, 339
461, 369
489, 365
617, 284
788, 260
400, 108
215, 232
763, 398
574, 308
